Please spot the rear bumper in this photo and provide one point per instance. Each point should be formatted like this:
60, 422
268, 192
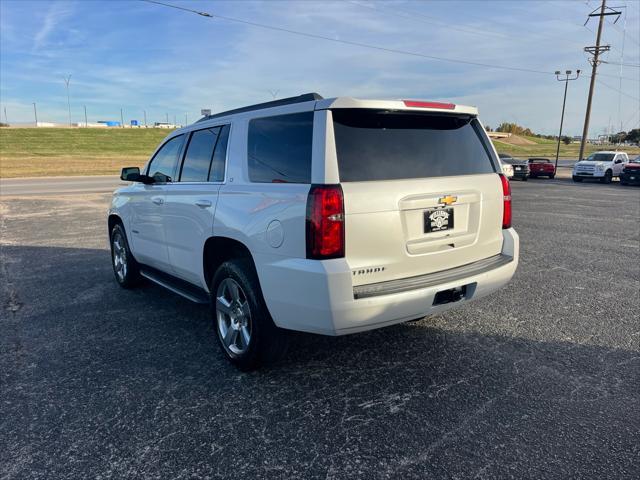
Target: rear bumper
319, 297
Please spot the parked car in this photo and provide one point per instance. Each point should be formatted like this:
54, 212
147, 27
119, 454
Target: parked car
630, 174
541, 167
331, 216
601, 165
519, 168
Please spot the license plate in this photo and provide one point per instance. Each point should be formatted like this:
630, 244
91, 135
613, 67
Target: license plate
438, 220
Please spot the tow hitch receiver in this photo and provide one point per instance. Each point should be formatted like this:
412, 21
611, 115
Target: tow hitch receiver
451, 295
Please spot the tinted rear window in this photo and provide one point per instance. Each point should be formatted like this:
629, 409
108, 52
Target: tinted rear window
384, 145
279, 148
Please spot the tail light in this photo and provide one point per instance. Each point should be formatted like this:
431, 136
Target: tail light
325, 222
506, 202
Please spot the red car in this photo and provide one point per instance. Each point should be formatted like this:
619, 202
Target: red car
541, 167
630, 174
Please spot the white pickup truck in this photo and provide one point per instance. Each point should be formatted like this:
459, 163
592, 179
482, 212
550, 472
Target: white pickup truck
331, 216
603, 166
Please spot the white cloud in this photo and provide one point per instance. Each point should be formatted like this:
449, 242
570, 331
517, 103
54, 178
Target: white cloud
57, 13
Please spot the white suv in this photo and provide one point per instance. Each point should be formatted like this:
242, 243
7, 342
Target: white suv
330, 216
601, 165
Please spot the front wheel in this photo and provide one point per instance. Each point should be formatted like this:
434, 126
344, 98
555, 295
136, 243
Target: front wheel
246, 333
125, 267
577, 179
608, 176
552, 176
524, 179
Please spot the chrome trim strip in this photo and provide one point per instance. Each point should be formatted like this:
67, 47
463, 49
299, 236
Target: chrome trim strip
431, 279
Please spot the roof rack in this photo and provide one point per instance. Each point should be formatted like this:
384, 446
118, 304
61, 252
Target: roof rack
305, 97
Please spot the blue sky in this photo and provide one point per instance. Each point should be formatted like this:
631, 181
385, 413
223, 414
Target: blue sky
138, 56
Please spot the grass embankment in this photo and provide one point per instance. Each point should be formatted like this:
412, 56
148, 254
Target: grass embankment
36, 152
543, 147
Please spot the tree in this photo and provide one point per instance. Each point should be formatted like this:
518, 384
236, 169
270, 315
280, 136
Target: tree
566, 140
633, 136
515, 129
619, 137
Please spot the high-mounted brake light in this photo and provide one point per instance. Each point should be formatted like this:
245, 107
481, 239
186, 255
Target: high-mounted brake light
418, 104
506, 202
325, 222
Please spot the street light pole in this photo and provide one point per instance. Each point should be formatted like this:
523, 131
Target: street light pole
86, 123
67, 79
35, 113
566, 81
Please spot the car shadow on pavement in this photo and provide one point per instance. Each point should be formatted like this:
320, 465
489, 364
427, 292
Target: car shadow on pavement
102, 382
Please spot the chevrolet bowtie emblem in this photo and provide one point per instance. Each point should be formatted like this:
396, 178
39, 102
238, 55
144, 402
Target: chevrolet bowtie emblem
448, 199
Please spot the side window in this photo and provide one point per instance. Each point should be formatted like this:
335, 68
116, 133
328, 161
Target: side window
220, 156
197, 160
279, 148
165, 161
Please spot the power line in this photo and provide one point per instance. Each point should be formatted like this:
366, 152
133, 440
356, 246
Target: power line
349, 42
622, 63
617, 90
361, 44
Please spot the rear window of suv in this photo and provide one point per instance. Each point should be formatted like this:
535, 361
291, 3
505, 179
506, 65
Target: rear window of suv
392, 145
279, 148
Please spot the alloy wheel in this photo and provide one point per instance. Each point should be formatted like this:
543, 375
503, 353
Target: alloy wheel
233, 316
119, 257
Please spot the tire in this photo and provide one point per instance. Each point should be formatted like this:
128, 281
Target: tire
552, 176
245, 330
622, 182
524, 179
608, 176
577, 179
125, 268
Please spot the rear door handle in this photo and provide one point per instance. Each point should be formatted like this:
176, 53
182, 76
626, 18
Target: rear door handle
157, 200
203, 203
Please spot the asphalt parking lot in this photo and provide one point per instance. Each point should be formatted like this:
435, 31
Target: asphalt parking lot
541, 380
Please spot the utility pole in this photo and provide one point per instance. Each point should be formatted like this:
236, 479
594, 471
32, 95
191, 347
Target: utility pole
121, 118
566, 81
595, 51
86, 123
35, 113
145, 117
167, 118
6, 120
67, 79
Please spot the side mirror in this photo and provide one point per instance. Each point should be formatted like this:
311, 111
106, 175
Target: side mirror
619, 161
130, 174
